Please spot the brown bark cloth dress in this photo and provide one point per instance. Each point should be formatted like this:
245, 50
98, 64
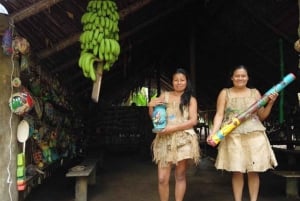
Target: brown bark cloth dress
246, 148
180, 145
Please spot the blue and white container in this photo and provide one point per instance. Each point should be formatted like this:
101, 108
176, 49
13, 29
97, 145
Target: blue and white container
159, 118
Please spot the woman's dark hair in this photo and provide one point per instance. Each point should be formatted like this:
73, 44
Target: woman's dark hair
188, 92
237, 67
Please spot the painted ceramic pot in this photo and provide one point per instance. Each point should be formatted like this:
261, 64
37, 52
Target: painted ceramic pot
159, 117
21, 103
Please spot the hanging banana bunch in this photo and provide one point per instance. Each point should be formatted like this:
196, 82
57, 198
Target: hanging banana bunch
99, 40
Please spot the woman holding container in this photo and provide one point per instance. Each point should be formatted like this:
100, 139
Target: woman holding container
177, 143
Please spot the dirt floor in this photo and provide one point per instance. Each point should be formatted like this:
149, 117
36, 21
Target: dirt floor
132, 177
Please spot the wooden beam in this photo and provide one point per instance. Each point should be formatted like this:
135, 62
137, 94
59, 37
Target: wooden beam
75, 38
155, 18
65, 66
82, 85
32, 10
133, 8
73, 77
266, 23
58, 47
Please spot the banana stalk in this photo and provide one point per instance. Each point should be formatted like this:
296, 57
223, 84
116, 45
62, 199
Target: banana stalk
97, 83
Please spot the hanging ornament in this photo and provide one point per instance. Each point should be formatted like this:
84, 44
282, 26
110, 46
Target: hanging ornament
7, 42
20, 45
297, 45
21, 103
16, 82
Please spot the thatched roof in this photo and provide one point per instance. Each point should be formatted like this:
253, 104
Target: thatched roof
207, 37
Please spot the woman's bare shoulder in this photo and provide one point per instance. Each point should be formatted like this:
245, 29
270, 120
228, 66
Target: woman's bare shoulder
223, 92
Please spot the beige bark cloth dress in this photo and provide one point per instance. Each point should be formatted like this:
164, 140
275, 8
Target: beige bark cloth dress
180, 145
246, 148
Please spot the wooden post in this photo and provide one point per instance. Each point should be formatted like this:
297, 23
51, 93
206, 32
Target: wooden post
8, 126
192, 50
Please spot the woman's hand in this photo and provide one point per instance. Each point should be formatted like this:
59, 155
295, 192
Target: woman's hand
209, 139
273, 97
167, 130
155, 101
265, 111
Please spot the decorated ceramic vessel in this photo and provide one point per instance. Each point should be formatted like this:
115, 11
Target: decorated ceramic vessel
159, 117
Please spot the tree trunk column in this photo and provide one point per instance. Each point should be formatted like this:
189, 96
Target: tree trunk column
8, 126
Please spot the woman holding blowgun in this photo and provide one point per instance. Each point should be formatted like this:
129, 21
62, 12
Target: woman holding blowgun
246, 150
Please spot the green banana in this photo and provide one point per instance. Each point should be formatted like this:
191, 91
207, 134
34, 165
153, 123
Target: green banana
96, 34
106, 66
93, 17
102, 47
86, 61
92, 71
99, 5
96, 49
99, 39
80, 61
90, 65
104, 5
101, 56
116, 47
112, 45
107, 45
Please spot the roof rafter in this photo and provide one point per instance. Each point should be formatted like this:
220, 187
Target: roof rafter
32, 10
75, 38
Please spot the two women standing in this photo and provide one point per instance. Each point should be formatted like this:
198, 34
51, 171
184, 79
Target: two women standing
246, 150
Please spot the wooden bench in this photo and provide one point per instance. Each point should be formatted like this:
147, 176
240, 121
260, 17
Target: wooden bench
289, 169
291, 187
85, 174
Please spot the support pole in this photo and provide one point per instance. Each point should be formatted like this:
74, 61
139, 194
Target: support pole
192, 46
281, 100
8, 125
